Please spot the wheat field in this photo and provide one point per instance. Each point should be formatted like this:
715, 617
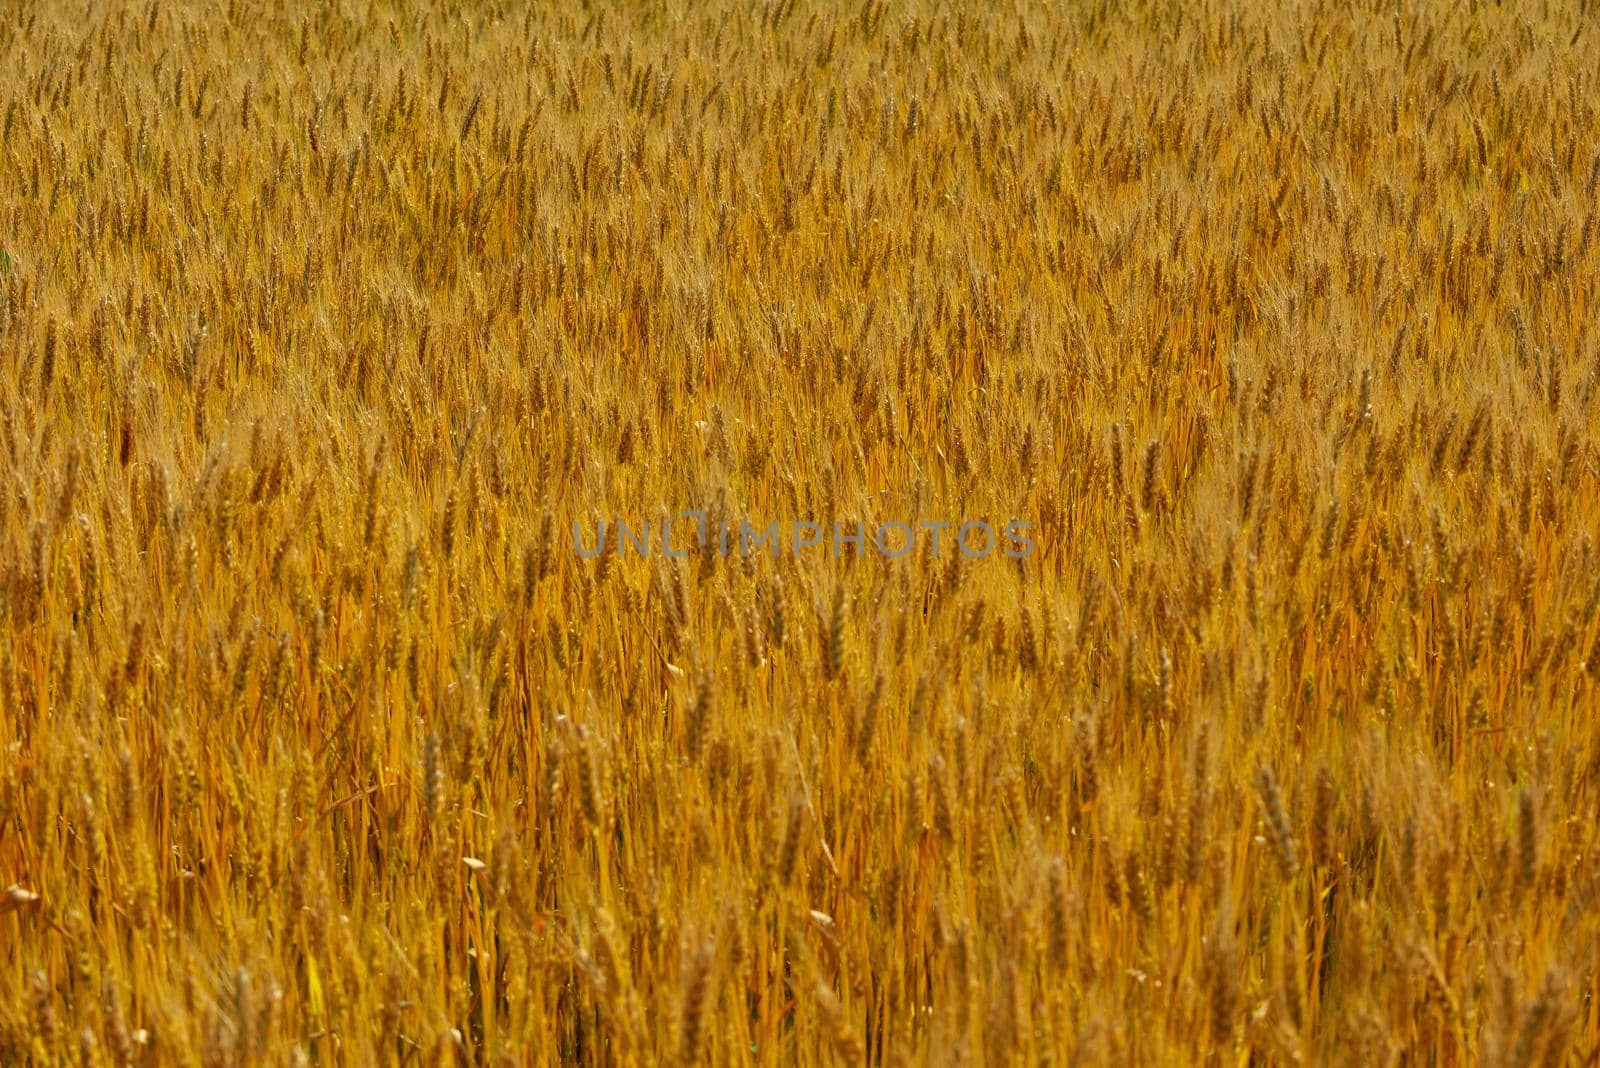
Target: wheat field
332, 334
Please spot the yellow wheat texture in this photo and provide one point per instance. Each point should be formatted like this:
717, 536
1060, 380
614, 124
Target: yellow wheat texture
321, 324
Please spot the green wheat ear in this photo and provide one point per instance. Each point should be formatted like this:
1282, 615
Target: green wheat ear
6, 264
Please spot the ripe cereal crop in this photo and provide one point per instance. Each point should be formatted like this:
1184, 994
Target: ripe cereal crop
341, 722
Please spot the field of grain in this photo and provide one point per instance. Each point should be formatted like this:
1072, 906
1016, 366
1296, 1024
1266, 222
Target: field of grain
321, 325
